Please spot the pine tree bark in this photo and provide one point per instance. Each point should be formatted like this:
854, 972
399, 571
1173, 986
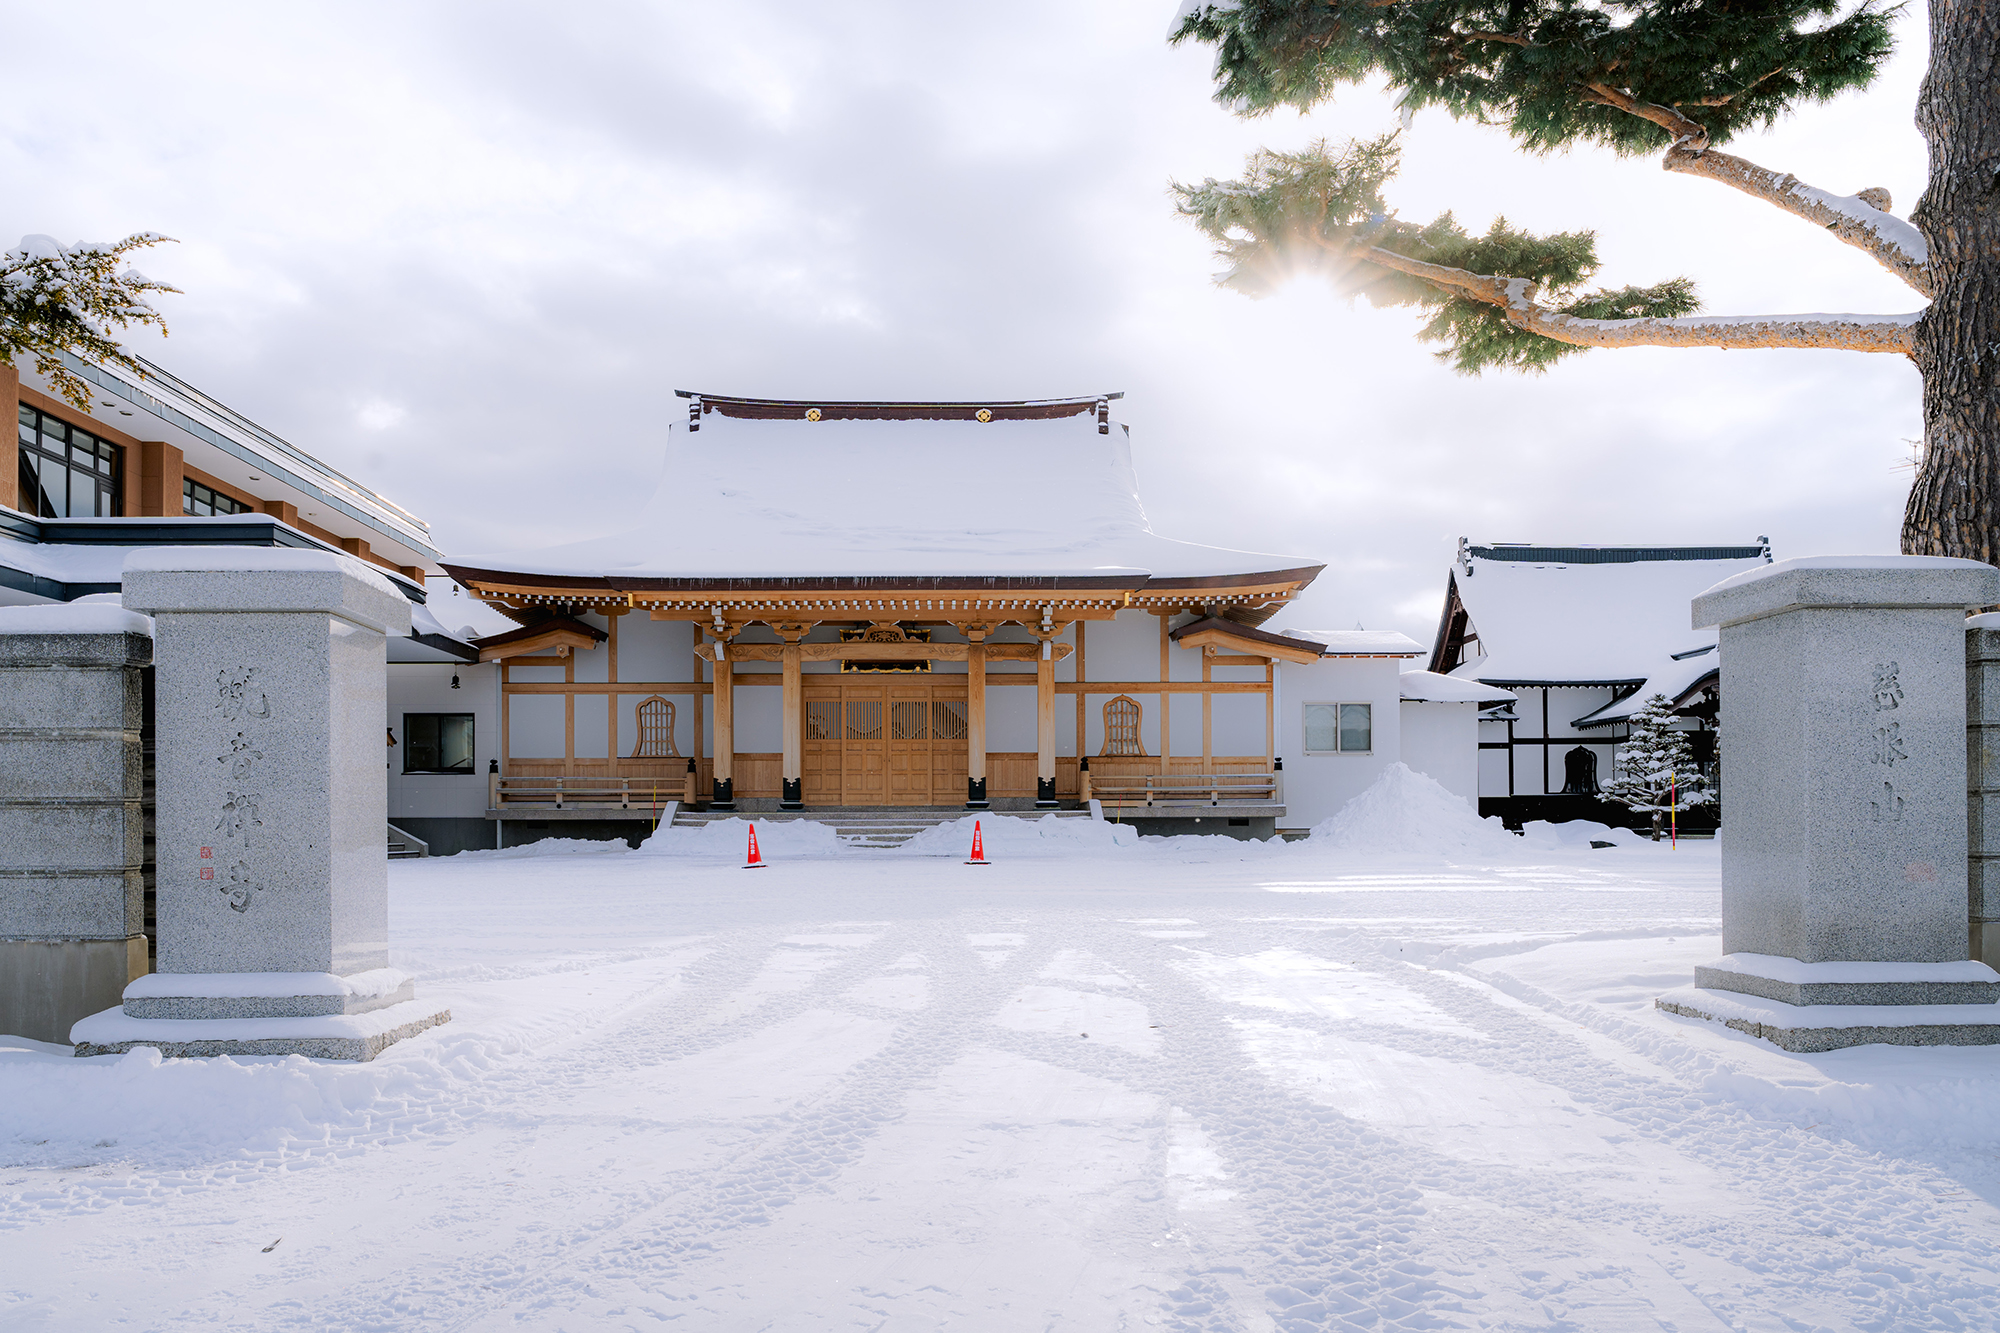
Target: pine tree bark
1954, 506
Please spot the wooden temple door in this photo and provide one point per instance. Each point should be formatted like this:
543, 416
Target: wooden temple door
910, 744
824, 724
863, 750
884, 741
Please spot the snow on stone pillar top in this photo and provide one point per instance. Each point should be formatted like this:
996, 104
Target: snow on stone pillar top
270, 692
1843, 755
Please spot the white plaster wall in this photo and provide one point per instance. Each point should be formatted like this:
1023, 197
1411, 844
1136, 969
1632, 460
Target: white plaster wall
760, 715
535, 726
593, 664
654, 650
1125, 648
1186, 736
1442, 740
1318, 785
592, 728
1236, 723
1010, 718
425, 687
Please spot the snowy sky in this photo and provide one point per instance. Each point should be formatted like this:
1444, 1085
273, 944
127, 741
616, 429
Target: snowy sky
466, 252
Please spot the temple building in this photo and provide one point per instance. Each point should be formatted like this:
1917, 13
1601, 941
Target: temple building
1582, 635
827, 604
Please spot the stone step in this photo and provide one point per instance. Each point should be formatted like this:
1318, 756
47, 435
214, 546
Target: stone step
871, 826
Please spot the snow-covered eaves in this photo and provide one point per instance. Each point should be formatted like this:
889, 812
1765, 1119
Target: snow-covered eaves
1042, 494
1587, 615
430, 641
1214, 632
62, 559
1361, 642
1429, 687
560, 633
1680, 681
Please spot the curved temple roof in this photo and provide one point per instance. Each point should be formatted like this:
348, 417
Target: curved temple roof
910, 494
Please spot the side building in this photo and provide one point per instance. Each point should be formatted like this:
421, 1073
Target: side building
1582, 635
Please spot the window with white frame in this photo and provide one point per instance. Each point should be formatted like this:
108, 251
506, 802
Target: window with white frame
1340, 728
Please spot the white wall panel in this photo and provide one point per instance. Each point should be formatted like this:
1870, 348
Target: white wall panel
535, 726
592, 712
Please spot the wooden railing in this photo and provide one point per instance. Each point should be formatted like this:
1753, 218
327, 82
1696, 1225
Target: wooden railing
1124, 791
562, 792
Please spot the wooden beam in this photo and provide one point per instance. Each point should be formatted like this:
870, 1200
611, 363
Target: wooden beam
1166, 705
882, 652
1221, 638
537, 643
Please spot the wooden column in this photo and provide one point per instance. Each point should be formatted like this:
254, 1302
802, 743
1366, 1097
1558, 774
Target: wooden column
975, 727
10, 438
725, 733
1045, 726
794, 739
1166, 699
1207, 714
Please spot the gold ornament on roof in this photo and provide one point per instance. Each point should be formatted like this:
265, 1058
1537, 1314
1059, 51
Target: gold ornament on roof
812, 414
984, 414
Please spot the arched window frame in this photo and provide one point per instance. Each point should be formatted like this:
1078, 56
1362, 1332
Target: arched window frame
639, 750
1121, 733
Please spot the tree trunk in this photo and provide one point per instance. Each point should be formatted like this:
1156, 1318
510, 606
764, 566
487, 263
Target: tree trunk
1954, 506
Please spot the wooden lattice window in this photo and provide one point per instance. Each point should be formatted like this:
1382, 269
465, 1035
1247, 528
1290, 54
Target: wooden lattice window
948, 720
656, 730
1121, 727
864, 720
906, 720
822, 719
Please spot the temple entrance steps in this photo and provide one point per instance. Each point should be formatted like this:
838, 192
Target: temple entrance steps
869, 825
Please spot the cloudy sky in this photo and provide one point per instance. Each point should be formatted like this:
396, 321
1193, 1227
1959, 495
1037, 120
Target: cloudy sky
466, 252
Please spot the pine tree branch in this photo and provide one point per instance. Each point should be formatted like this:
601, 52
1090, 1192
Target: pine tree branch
1516, 298
1855, 219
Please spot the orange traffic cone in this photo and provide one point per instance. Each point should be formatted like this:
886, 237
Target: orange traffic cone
978, 857
755, 862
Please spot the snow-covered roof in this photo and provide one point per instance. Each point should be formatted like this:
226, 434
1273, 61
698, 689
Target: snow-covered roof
1675, 679
1429, 687
1587, 614
776, 498
1360, 642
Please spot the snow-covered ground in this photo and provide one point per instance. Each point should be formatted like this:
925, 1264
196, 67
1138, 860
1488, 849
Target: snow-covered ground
1096, 1085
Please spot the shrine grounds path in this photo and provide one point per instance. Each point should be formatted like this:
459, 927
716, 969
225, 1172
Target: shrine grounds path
1197, 1086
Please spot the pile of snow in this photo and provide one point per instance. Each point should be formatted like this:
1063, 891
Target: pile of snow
550, 847
1010, 836
1406, 813
730, 838
1574, 835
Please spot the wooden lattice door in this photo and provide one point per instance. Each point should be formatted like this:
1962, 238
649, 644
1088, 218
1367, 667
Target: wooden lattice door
824, 726
909, 753
863, 747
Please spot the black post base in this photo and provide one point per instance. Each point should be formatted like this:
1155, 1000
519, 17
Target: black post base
794, 798
975, 794
725, 795
1045, 793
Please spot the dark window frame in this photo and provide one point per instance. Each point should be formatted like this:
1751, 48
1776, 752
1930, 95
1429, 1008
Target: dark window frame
411, 745
40, 449
194, 493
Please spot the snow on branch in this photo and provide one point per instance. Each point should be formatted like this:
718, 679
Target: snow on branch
1861, 220
1516, 298
57, 298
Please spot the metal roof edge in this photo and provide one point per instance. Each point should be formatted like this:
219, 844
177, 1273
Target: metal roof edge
202, 430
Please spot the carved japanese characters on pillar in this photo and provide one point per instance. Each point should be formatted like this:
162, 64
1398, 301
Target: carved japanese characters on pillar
1885, 692
245, 711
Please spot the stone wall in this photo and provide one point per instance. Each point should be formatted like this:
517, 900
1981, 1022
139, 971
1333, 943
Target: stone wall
72, 831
